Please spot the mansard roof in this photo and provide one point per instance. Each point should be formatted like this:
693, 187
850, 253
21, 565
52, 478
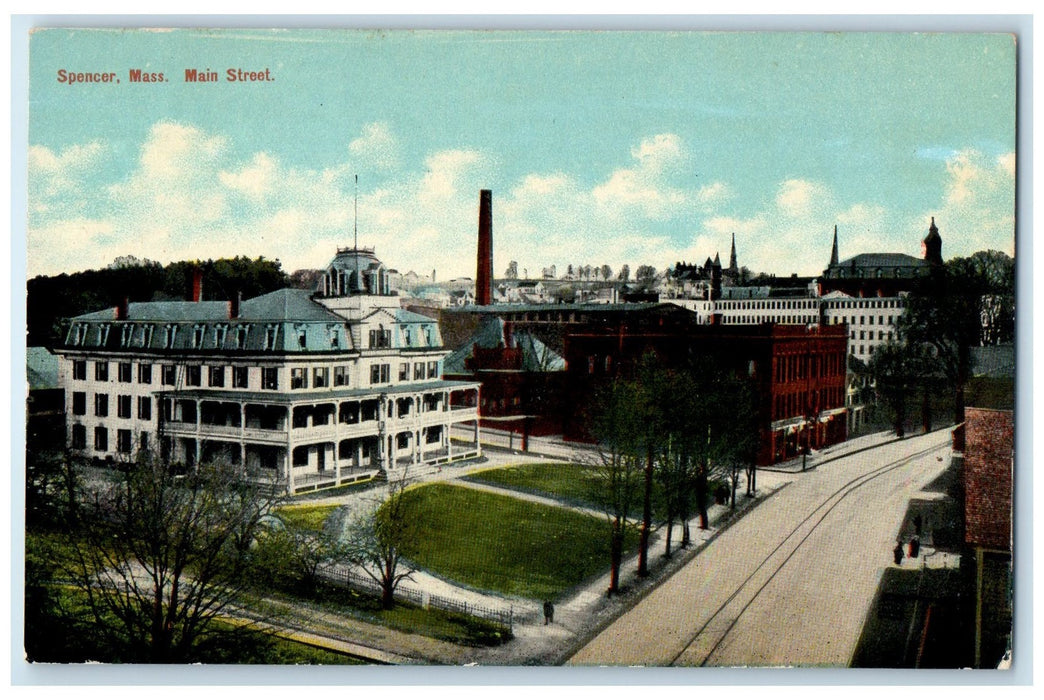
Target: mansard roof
875, 260
286, 305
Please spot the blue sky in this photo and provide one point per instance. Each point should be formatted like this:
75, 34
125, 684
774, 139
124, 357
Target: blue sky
600, 148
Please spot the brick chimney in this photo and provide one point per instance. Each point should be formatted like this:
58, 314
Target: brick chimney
197, 284
484, 274
122, 309
233, 305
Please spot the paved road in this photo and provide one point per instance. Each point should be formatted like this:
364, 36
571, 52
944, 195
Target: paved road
790, 583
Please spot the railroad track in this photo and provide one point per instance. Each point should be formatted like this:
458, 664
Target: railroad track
711, 634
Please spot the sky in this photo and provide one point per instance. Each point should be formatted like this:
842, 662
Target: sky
599, 147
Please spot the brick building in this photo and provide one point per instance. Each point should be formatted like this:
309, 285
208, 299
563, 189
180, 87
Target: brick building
988, 471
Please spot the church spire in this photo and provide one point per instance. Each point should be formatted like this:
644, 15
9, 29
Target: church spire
732, 256
833, 251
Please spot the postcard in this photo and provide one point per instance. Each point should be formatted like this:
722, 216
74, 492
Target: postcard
520, 348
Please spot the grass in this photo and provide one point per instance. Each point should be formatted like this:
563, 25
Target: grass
344, 603
574, 484
498, 543
306, 517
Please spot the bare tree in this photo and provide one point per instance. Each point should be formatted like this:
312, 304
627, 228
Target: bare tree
377, 537
158, 557
619, 466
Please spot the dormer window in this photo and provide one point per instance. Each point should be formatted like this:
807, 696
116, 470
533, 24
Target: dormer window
170, 333
335, 337
241, 337
79, 333
197, 336
103, 334
220, 331
146, 336
126, 335
406, 336
270, 338
302, 337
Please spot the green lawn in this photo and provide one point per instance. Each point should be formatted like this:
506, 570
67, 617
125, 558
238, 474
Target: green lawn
498, 543
306, 517
575, 484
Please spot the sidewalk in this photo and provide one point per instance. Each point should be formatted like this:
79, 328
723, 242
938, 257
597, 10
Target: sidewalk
584, 611
817, 458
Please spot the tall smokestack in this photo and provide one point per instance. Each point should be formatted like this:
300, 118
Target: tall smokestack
197, 284
484, 275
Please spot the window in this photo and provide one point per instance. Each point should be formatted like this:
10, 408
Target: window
335, 337
404, 372
302, 336
144, 374
146, 336
380, 338
126, 334
103, 334
197, 336
216, 375
299, 378
101, 439
79, 403
143, 442
321, 377
193, 375
79, 437
433, 369
220, 331
101, 371
101, 405
169, 375
241, 337
270, 378
123, 441
406, 336
380, 374
145, 407
270, 338
123, 406
418, 370
123, 370
79, 334
240, 377
341, 375
79, 369
170, 333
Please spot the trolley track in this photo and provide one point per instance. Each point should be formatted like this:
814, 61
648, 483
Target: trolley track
703, 644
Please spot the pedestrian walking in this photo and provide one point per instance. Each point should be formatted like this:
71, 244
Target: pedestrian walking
549, 612
915, 547
897, 553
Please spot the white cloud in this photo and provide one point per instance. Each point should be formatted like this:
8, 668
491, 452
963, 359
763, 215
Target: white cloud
978, 205
377, 147
191, 196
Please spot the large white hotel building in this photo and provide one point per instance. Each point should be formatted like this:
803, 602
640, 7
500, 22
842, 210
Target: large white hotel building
303, 390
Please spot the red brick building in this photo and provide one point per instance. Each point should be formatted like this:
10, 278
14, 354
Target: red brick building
988, 470
799, 371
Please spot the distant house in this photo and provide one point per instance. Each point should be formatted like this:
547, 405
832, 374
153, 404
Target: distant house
45, 403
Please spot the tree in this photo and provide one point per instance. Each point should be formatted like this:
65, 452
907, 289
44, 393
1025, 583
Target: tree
53, 490
947, 313
625, 273
158, 557
607, 272
376, 539
619, 466
645, 275
512, 270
